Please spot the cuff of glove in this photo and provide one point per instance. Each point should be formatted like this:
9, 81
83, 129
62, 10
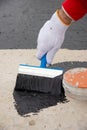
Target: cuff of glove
64, 18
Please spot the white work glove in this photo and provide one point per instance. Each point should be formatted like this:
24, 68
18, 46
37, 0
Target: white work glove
50, 38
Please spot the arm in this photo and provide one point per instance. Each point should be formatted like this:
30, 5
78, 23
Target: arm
52, 34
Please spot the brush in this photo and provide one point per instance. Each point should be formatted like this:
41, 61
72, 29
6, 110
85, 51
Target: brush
40, 79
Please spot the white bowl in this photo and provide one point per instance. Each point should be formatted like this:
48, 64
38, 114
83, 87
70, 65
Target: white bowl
75, 83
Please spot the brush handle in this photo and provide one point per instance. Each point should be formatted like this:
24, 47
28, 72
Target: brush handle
43, 62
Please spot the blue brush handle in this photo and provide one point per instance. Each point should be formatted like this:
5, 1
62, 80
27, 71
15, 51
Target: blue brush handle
43, 62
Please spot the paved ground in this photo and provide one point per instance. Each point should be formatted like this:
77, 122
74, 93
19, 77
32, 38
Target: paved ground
20, 21
38, 111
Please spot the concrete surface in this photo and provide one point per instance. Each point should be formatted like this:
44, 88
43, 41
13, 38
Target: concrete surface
20, 21
34, 111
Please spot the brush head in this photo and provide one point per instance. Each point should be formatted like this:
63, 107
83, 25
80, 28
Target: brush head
38, 79
52, 86
38, 71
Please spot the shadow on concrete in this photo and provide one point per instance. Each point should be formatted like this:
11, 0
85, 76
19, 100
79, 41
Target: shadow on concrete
69, 65
34, 102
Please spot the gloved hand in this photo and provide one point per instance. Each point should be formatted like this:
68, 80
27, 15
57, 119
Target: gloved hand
51, 37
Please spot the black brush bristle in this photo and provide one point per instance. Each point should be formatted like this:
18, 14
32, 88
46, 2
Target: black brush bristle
39, 84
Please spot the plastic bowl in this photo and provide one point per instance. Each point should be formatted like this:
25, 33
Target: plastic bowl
75, 83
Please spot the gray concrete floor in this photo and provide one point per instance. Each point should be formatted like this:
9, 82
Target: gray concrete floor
21, 20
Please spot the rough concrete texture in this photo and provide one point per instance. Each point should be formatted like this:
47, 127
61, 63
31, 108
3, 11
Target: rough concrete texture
20, 21
34, 111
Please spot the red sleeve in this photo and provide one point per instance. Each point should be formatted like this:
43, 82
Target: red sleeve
76, 9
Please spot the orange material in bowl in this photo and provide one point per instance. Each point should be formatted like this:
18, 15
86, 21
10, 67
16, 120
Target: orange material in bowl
76, 77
